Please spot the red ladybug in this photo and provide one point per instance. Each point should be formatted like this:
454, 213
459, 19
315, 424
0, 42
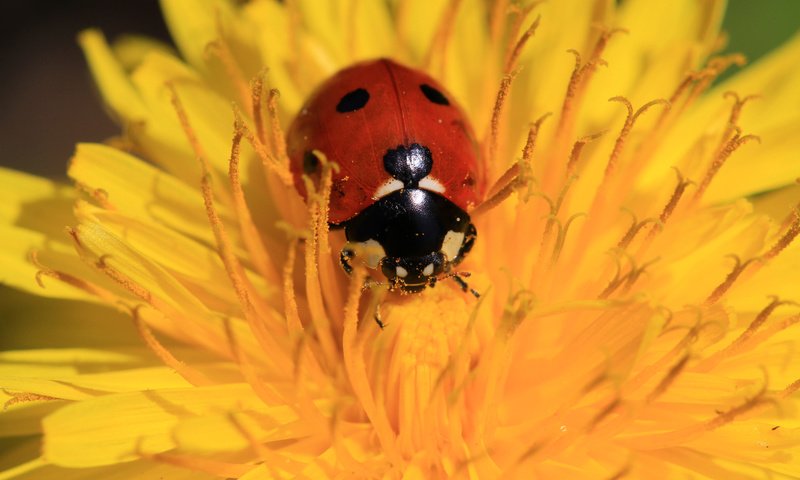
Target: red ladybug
407, 169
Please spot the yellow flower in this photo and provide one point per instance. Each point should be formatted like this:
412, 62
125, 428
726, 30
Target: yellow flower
638, 263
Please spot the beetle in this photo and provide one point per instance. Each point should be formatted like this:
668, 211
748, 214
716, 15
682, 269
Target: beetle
407, 176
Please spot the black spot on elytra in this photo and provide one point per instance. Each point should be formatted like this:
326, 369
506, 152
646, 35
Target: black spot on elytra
433, 94
468, 181
352, 101
337, 188
310, 163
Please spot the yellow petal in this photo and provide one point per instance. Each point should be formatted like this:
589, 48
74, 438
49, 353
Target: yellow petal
30, 321
193, 25
116, 428
39, 469
117, 91
774, 117
140, 189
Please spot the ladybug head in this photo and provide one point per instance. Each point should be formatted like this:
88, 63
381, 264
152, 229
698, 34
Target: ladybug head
413, 235
413, 274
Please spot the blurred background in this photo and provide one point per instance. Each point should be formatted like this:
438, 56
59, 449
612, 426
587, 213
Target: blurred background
47, 102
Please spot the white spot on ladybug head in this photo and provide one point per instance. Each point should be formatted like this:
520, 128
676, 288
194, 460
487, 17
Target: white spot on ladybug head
401, 272
428, 270
430, 183
451, 244
391, 185
370, 252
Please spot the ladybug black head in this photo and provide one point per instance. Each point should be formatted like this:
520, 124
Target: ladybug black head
413, 274
421, 236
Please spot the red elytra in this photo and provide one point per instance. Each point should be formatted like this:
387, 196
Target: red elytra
398, 112
407, 176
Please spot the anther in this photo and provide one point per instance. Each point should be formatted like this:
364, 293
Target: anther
577, 148
738, 268
789, 235
256, 91
627, 127
491, 137
721, 157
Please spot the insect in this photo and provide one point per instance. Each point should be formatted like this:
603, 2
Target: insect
407, 170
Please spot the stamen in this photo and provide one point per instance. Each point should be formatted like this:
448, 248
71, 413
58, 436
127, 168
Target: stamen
730, 415
200, 333
626, 128
241, 285
745, 336
191, 136
318, 216
517, 176
270, 163
353, 353
220, 49
25, 397
634, 229
719, 160
668, 379
123, 280
561, 237
787, 238
191, 375
675, 198
491, 137
251, 235
736, 111
578, 82
730, 279
628, 279
278, 138
256, 90
699, 81
577, 148
293, 323
71, 280
669, 208
715, 67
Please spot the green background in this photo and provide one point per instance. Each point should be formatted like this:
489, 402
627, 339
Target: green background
756, 27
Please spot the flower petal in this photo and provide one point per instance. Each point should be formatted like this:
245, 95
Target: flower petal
118, 428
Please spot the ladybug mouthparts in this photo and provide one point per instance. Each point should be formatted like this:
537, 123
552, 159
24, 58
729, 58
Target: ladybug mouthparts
415, 235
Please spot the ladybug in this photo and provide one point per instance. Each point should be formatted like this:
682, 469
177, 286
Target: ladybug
407, 170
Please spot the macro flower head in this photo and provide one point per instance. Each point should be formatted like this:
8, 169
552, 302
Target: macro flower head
637, 259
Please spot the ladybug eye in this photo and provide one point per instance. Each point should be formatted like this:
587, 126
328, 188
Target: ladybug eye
353, 101
310, 163
433, 94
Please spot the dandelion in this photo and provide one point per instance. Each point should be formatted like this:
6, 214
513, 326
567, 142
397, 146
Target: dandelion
637, 259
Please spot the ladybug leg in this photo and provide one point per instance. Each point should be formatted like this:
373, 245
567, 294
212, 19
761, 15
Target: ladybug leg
465, 286
377, 317
344, 260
